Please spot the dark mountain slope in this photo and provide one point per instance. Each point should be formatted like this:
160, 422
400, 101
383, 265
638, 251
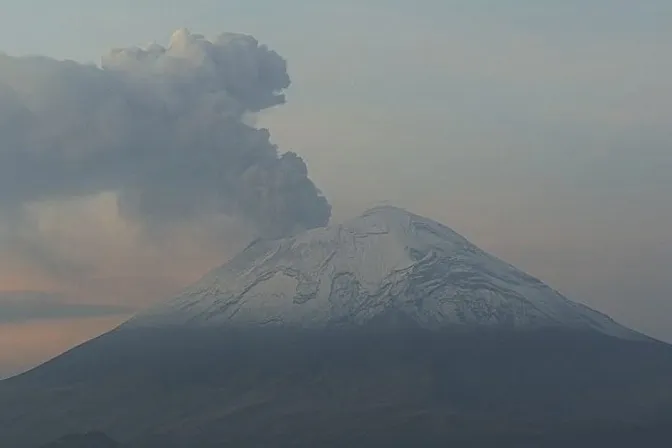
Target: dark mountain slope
313, 388
88, 440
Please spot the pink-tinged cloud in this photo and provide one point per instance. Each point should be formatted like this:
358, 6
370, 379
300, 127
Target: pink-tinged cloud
25, 345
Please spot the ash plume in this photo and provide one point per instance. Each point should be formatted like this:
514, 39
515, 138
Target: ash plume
166, 128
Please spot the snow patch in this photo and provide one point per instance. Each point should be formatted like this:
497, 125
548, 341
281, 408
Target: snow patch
387, 261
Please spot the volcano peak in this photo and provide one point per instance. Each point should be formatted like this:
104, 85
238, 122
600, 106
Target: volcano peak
386, 267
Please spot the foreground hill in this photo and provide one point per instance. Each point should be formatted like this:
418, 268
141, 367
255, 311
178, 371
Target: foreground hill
88, 440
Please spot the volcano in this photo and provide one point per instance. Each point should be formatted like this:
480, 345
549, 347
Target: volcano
387, 330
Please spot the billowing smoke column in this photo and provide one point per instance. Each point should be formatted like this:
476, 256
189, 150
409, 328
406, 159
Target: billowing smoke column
165, 128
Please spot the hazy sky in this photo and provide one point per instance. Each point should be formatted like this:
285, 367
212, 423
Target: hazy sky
537, 129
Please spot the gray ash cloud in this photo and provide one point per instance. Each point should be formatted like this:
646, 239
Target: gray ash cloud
166, 128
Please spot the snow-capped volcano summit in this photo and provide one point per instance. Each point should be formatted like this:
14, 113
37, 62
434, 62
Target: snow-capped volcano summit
386, 267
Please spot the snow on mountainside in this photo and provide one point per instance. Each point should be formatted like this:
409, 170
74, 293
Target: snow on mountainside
386, 267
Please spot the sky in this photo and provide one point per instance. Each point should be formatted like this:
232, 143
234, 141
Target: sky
537, 129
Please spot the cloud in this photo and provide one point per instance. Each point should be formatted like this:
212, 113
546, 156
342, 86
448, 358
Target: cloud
124, 181
25, 306
166, 128
83, 248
